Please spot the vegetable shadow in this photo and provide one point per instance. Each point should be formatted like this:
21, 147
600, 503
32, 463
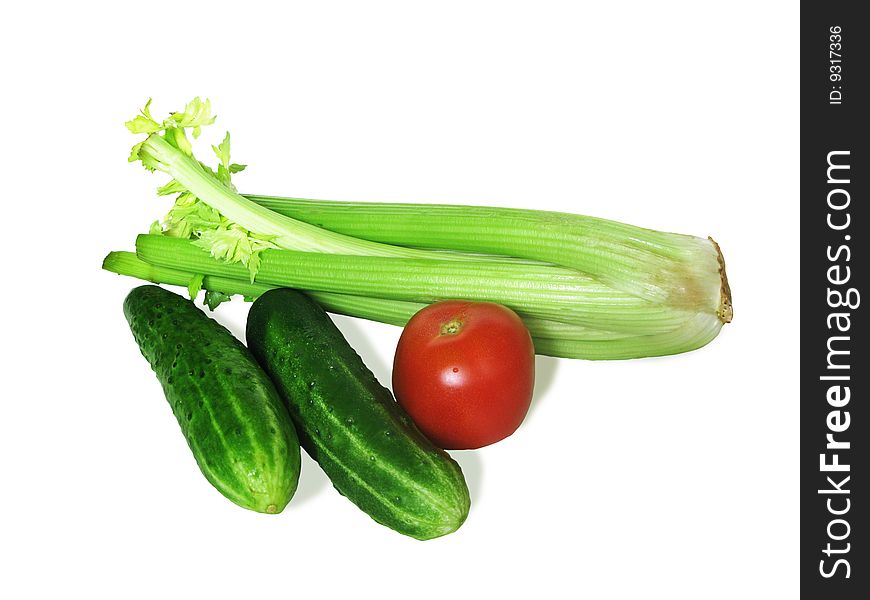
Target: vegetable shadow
362, 344
545, 375
312, 481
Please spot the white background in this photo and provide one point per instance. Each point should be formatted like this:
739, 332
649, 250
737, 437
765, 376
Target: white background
659, 478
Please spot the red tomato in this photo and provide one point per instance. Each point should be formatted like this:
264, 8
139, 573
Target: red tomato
464, 371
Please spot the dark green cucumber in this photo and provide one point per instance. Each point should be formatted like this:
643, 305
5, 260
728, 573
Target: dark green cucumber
350, 424
228, 409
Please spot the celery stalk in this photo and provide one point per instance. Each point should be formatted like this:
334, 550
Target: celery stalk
394, 312
541, 291
675, 269
231, 226
550, 337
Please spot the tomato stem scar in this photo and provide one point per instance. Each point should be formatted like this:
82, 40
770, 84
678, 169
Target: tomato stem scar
451, 327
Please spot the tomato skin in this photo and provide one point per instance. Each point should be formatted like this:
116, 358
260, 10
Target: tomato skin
465, 372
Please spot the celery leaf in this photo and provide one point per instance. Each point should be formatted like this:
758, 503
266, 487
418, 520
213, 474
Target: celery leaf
234, 244
190, 218
222, 150
173, 187
144, 123
213, 299
196, 114
194, 286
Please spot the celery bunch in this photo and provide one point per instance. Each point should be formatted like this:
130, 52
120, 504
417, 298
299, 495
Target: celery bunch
586, 287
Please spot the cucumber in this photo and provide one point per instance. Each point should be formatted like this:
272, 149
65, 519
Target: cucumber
228, 409
350, 424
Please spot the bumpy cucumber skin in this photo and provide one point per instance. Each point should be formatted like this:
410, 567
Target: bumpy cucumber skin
227, 407
350, 424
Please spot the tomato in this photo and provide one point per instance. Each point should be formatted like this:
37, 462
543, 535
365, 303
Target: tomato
465, 371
